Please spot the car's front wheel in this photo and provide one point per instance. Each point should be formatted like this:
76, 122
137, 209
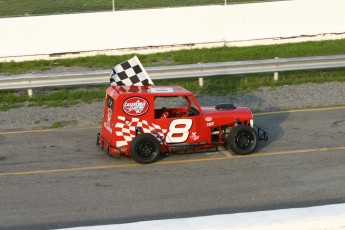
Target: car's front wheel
145, 148
243, 139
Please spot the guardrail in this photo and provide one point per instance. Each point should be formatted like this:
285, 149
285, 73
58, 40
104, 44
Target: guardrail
29, 81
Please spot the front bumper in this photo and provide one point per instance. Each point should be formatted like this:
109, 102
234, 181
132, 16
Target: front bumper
262, 134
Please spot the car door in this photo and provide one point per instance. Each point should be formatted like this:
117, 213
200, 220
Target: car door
176, 124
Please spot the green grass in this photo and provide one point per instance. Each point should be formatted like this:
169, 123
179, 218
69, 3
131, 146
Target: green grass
51, 97
14, 8
60, 124
238, 84
221, 54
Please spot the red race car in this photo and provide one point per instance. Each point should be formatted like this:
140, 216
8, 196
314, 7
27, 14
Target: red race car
143, 121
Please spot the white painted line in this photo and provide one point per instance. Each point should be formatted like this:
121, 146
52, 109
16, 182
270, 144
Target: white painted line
328, 217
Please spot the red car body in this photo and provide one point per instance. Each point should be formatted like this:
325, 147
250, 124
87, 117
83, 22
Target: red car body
135, 125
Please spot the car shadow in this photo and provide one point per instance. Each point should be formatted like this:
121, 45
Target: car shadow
271, 123
267, 117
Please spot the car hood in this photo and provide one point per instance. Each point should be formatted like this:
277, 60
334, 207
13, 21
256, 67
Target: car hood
220, 117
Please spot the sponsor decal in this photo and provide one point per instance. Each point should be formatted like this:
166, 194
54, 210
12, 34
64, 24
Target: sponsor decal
194, 136
208, 119
210, 124
107, 124
135, 106
161, 90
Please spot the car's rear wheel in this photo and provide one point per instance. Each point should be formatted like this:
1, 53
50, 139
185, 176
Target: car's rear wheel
145, 148
243, 139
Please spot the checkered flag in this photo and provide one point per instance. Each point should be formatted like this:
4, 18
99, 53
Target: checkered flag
129, 73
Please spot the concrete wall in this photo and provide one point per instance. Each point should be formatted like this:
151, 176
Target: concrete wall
95, 33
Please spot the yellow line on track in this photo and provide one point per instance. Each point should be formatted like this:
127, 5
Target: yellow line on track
98, 127
301, 110
90, 168
27, 131
48, 130
68, 170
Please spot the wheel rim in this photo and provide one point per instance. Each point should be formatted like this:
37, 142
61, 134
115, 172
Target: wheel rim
244, 140
146, 149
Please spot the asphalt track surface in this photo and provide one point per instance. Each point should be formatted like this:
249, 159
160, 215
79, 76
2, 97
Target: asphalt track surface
58, 178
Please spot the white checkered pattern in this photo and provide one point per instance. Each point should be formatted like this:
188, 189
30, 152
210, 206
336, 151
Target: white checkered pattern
130, 73
126, 132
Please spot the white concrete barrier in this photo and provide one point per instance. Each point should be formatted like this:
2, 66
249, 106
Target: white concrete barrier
58, 35
285, 19
330, 217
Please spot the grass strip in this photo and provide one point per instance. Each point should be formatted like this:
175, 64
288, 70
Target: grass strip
221, 54
51, 97
15, 8
60, 124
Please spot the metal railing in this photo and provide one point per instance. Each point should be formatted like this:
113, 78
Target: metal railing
29, 81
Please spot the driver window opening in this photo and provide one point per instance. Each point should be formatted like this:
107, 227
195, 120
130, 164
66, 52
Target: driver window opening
174, 107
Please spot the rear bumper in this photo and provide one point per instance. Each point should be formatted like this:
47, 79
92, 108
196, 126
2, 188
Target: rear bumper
109, 149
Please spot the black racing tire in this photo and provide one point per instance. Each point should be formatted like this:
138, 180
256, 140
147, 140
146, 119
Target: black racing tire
145, 148
243, 139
